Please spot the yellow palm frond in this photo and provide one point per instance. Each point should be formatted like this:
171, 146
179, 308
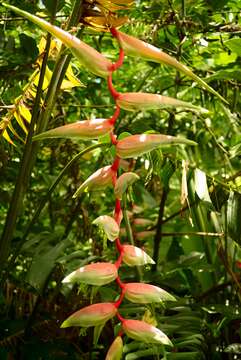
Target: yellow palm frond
19, 114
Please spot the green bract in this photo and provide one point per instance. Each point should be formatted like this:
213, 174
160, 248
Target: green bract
91, 315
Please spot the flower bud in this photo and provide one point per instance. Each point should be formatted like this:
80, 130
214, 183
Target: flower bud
109, 226
135, 47
93, 274
142, 222
91, 315
141, 331
97, 181
144, 101
116, 349
123, 182
142, 235
145, 293
134, 256
87, 56
87, 129
136, 145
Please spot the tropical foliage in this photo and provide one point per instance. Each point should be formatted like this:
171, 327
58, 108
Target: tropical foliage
181, 203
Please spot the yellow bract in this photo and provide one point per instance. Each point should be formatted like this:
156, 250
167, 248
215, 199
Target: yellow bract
101, 14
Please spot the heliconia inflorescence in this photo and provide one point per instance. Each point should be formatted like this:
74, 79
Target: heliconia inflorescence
145, 101
136, 145
87, 56
91, 315
93, 274
123, 182
116, 349
134, 256
99, 180
102, 273
135, 47
146, 293
85, 130
109, 225
141, 331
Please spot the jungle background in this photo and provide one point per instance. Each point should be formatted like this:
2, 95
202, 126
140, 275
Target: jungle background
189, 199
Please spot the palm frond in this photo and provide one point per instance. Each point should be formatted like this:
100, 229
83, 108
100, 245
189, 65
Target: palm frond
19, 114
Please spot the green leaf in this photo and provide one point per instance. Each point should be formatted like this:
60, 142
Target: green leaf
53, 6
142, 354
234, 45
97, 332
233, 216
29, 46
43, 263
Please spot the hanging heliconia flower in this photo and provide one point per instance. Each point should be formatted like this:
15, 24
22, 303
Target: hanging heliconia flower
91, 315
146, 293
109, 225
116, 349
101, 14
87, 56
86, 130
99, 180
142, 222
134, 256
141, 331
123, 182
145, 101
136, 145
135, 47
93, 274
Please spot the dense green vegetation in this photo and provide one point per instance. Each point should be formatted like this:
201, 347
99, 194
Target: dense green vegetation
188, 198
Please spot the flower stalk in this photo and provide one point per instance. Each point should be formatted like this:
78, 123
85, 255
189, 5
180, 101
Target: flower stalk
99, 274
103, 273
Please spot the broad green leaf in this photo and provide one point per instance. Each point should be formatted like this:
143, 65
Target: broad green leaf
234, 45
234, 216
43, 263
142, 354
97, 332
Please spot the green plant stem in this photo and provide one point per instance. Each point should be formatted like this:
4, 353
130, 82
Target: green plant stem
30, 150
129, 232
183, 9
158, 235
24, 171
199, 214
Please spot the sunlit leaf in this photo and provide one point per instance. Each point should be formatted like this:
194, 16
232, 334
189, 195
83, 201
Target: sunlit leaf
201, 187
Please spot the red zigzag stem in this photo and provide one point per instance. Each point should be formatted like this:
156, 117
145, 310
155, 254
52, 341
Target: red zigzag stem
115, 166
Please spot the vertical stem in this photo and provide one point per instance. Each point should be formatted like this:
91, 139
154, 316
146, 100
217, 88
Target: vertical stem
24, 171
158, 235
129, 232
30, 149
183, 9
